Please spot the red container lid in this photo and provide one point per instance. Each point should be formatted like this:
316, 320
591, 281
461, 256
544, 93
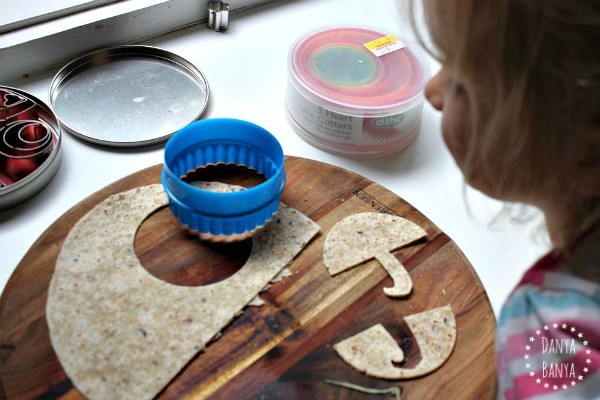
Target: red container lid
333, 67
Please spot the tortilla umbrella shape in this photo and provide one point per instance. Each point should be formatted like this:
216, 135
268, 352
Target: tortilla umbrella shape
374, 352
364, 236
371, 350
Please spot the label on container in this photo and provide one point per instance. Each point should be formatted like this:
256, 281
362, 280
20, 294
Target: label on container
334, 128
384, 45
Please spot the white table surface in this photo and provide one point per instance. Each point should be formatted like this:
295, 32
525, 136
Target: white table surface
246, 70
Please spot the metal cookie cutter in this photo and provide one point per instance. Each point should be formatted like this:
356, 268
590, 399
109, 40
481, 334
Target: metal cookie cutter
218, 15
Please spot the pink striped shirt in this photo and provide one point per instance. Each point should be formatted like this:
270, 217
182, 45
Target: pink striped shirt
548, 338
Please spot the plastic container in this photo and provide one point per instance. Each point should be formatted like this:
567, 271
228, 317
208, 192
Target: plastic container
223, 141
356, 91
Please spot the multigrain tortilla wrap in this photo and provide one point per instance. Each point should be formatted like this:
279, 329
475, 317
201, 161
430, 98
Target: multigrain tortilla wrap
374, 351
118, 331
364, 236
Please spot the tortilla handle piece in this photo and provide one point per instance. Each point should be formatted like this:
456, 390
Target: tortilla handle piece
402, 282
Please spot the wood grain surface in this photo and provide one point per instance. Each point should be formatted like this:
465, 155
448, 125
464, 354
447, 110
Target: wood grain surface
282, 350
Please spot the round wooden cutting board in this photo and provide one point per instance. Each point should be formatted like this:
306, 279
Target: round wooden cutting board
283, 349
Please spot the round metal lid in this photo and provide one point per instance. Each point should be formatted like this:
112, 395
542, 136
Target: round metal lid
128, 96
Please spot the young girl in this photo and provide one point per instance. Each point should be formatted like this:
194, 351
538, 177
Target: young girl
519, 89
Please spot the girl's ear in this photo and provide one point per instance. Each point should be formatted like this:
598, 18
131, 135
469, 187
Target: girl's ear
583, 164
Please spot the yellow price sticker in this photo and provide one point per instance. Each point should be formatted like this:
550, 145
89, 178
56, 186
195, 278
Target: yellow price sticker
384, 45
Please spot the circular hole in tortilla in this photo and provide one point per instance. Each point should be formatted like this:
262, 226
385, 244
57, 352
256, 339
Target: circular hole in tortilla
172, 253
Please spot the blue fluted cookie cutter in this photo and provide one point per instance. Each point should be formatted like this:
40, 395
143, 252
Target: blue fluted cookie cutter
223, 141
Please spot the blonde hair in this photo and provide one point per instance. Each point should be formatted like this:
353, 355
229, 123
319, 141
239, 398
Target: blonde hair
534, 70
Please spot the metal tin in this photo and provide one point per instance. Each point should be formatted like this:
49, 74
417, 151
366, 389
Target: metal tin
128, 96
30, 146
